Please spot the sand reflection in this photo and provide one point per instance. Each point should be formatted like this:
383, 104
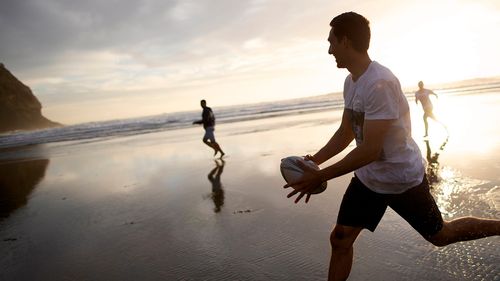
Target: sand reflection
214, 176
457, 195
17, 181
433, 163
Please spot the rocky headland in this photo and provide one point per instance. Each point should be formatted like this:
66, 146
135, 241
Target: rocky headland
19, 108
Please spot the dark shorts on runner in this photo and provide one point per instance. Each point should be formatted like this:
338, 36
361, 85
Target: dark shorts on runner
209, 134
362, 207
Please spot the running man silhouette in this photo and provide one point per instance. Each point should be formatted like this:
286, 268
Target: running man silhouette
208, 121
422, 95
387, 163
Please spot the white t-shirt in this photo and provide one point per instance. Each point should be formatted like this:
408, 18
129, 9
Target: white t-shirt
377, 95
423, 97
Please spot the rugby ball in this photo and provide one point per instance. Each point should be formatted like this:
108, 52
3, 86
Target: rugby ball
292, 171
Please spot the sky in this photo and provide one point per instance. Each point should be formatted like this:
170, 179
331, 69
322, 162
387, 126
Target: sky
101, 60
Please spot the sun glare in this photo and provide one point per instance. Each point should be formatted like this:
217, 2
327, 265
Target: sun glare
465, 120
434, 43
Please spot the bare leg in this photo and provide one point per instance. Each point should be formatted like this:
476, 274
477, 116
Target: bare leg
439, 121
342, 240
217, 148
465, 229
212, 146
426, 125
430, 114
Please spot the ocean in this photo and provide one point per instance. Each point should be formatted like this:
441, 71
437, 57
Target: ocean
179, 120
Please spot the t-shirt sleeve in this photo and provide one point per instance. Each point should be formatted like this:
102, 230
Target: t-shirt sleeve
346, 91
382, 102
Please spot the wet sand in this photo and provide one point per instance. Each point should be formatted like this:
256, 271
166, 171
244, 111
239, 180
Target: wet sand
151, 207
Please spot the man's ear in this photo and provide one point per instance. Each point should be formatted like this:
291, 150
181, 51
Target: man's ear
346, 42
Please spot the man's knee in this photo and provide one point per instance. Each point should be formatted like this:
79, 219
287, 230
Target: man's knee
442, 238
342, 238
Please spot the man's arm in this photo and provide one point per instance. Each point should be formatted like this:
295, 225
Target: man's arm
337, 143
432, 93
374, 133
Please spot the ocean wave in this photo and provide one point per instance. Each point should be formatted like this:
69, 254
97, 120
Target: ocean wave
179, 120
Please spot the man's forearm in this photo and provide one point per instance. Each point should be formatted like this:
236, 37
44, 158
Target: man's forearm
374, 132
357, 158
339, 141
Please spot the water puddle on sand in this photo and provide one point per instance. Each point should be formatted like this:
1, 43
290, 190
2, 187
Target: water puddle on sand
457, 195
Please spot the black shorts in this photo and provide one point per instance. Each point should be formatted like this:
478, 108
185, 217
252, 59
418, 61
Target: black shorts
362, 207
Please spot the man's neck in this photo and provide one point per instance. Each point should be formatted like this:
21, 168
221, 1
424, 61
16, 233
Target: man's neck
359, 66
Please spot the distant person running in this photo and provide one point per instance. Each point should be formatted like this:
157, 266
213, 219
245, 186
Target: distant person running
422, 95
208, 121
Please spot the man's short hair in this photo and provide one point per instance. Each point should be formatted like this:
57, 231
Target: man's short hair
353, 26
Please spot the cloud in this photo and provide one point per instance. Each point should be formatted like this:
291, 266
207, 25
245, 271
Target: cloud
254, 43
40, 32
75, 51
184, 10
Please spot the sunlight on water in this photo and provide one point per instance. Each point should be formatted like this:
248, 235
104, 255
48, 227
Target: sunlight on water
468, 119
457, 195
454, 193
493, 196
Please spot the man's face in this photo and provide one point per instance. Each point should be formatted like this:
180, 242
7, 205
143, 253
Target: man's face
337, 49
203, 104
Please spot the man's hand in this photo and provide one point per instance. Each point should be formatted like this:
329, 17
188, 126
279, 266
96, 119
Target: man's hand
309, 180
310, 158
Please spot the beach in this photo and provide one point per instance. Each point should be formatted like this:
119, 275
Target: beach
143, 207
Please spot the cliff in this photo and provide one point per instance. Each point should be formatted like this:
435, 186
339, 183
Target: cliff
19, 108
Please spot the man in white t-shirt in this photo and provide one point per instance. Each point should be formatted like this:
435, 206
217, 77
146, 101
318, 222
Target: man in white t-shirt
388, 165
423, 95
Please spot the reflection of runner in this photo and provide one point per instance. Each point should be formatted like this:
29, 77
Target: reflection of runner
433, 163
217, 191
422, 95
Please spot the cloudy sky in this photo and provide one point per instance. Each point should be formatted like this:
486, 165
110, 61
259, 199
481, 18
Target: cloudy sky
98, 60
